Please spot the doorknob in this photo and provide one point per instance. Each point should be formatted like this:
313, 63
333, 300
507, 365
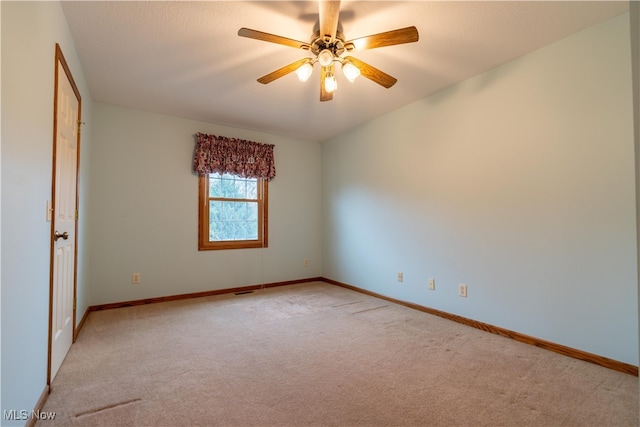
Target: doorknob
57, 235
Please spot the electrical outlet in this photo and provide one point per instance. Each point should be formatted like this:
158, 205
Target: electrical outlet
432, 284
135, 278
306, 262
462, 290
400, 277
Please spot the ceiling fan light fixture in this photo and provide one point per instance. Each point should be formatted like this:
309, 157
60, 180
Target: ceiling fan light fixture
328, 46
351, 72
330, 83
325, 57
304, 72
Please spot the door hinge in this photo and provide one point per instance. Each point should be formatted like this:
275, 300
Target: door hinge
76, 214
80, 123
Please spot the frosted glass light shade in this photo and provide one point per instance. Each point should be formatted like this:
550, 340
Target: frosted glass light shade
330, 83
304, 72
325, 57
351, 72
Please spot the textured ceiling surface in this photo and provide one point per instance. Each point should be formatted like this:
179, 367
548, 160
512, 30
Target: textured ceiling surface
185, 58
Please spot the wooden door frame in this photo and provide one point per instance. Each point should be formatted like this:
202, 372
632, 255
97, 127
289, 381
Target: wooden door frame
60, 60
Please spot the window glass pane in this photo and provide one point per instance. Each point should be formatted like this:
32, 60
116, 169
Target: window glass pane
252, 212
215, 211
240, 211
252, 230
227, 231
228, 187
215, 186
228, 211
231, 186
252, 189
216, 231
233, 220
241, 189
240, 230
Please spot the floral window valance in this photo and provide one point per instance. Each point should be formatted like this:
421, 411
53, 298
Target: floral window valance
220, 154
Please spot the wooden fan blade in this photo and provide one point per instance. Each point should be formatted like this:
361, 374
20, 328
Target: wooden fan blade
283, 71
324, 95
272, 38
329, 15
372, 73
388, 38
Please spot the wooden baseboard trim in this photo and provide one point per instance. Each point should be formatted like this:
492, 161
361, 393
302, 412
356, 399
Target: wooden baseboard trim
81, 324
31, 421
547, 345
250, 288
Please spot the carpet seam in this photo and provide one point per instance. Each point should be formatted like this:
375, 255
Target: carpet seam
104, 408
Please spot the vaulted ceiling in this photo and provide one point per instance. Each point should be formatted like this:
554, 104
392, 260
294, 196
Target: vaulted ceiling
186, 59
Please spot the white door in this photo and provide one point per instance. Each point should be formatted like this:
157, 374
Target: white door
65, 173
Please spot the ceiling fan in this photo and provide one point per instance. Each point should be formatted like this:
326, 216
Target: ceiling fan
328, 46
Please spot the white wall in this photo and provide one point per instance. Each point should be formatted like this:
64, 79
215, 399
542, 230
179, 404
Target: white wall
30, 31
634, 22
145, 211
518, 182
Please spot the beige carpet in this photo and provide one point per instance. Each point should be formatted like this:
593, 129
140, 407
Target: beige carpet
317, 354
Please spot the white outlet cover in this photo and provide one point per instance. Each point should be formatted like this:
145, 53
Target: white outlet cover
462, 290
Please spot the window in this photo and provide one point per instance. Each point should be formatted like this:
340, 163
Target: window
232, 213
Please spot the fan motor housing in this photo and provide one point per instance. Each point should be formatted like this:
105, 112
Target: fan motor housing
336, 46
